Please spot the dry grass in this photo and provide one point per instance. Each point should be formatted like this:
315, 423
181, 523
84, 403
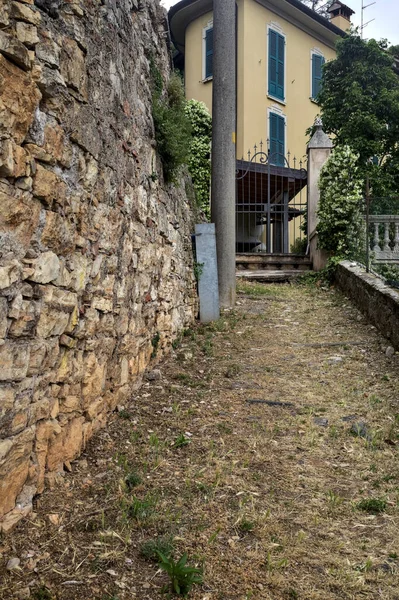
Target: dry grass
264, 496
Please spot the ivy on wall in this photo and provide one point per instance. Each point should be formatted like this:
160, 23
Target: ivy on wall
199, 157
340, 228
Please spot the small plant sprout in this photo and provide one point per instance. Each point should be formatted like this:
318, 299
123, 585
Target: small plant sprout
334, 499
141, 510
181, 441
246, 526
182, 577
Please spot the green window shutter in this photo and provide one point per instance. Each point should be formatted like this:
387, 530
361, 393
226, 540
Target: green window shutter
276, 64
208, 53
277, 139
317, 71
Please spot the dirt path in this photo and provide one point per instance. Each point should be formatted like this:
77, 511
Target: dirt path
242, 456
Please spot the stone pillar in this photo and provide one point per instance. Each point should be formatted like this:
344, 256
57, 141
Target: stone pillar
319, 149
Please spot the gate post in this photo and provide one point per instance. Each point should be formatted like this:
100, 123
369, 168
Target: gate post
319, 149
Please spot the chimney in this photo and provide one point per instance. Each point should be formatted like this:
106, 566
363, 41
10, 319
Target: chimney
340, 15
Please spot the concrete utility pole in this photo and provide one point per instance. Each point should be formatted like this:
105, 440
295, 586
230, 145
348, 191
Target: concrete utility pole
223, 145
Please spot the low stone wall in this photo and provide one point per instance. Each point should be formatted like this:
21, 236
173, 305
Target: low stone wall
96, 266
378, 302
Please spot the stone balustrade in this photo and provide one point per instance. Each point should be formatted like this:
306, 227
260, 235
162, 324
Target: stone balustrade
384, 238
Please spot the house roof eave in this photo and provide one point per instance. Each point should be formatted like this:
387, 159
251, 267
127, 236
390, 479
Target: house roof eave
186, 11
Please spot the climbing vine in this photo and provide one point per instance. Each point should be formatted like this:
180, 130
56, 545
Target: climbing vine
199, 159
340, 227
172, 127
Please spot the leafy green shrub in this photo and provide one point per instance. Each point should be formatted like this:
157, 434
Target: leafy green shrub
182, 578
172, 127
389, 272
340, 227
199, 158
299, 246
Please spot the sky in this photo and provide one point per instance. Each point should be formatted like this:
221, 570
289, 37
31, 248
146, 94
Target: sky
385, 13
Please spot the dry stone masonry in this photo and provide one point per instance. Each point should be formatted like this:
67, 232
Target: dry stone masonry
96, 269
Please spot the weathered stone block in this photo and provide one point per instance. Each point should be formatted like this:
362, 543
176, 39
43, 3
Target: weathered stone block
14, 50
27, 34
9, 274
19, 216
67, 445
73, 67
22, 12
47, 268
14, 161
24, 324
38, 351
14, 361
48, 186
7, 395
57, 233
19, 97
49, 52
14, 466
51, 322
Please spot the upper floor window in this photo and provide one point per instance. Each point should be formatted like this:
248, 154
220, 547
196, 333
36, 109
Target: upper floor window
277, 139
276, 65
208, 52
317, 71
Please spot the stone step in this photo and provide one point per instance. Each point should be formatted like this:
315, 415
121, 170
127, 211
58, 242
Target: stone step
270, 276
257, 262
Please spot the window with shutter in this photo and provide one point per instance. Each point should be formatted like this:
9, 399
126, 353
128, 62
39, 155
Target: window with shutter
277, 139
208, 53
317, 70
276, 64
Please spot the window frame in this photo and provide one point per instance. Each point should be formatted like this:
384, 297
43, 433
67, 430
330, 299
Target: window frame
314, 52
275, 27
207, 27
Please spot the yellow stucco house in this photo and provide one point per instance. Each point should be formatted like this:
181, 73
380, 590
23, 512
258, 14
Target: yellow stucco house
281, 47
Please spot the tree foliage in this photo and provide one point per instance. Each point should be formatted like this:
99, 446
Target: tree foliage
199, 159
359, 102
340, 227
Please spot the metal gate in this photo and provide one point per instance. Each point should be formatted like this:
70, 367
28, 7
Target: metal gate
271, 204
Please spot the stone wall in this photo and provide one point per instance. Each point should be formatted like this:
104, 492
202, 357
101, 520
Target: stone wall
96, 271
377, 301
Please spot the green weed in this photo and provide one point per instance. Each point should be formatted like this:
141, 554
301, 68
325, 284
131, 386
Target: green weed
124, 414
372, 505
182, 577
132, 480
246, 526
181, 441
155, 343
141, 510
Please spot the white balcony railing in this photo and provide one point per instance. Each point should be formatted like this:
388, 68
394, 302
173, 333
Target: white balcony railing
384, 238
